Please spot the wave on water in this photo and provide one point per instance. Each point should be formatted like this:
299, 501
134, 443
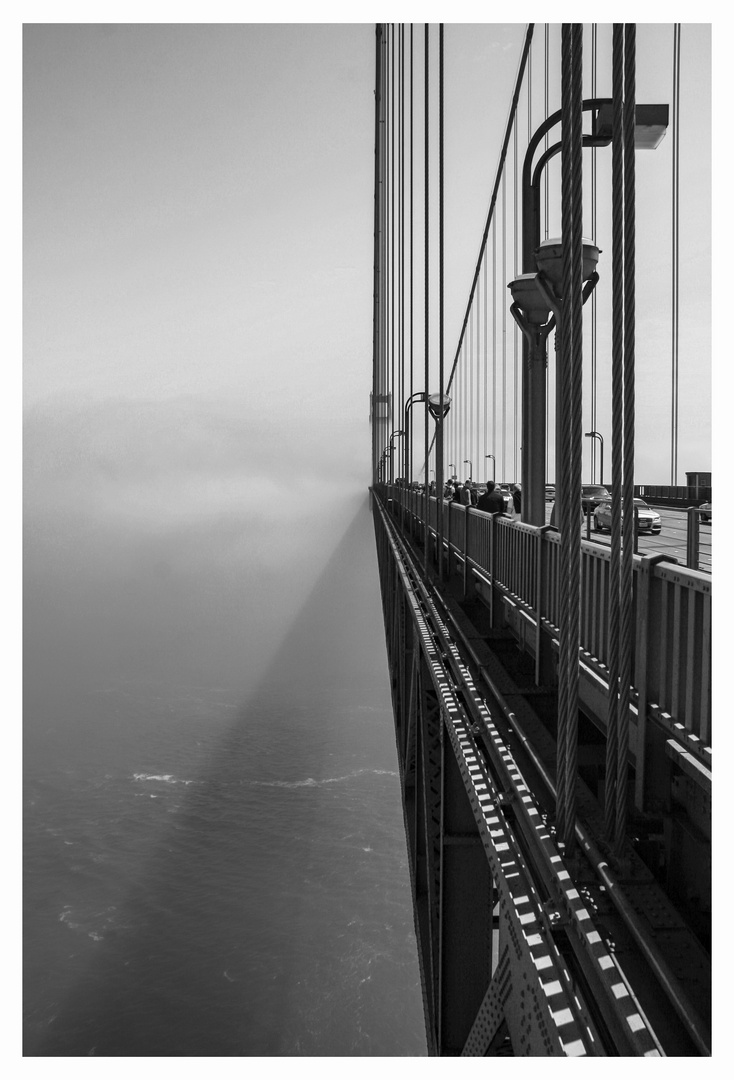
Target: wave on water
93, 925
166, 778
310, 782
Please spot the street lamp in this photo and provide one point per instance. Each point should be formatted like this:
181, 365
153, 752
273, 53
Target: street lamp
596, 435
452, 466
536, 308
494, 465
381, 466
407, 445
394, 435
438, 406
651, 122
467, 462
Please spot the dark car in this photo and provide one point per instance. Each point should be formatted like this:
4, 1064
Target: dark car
593, 495
648, 520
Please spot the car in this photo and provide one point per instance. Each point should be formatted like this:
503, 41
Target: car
593, 495
550, 493
648, 520
705, 509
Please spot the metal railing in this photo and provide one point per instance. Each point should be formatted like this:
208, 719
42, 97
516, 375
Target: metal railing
671, 673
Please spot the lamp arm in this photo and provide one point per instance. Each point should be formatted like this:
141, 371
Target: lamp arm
589, 287
521, 322
548, 293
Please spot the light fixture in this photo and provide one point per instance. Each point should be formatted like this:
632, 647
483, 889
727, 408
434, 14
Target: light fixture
549, 259
651, 123
434, 406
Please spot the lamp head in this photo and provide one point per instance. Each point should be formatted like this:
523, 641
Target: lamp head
526, 294
549, 259
434, 406
651, 123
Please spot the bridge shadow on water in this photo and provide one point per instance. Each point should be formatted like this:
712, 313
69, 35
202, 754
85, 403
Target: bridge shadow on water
272, 914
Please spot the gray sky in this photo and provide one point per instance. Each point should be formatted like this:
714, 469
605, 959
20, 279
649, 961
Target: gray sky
198, 215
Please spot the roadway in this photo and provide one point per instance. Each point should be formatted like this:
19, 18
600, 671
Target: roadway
671, 540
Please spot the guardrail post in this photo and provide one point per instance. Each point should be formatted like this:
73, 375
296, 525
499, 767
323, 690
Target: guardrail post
692, 537
539, 597
466, 550
449, 515
644, 579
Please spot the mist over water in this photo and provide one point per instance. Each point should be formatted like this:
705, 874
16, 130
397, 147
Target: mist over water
215, 861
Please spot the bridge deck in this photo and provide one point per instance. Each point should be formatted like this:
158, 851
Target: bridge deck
490, 666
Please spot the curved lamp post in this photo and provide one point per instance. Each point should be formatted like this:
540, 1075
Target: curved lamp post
494, 465
596, 435
468, 462
394, 435
536, 308
438, 406
651, 122
407, 445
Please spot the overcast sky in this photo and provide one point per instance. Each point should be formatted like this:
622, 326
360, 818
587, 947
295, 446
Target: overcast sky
197, 289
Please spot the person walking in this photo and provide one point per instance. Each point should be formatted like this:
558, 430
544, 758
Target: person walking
516, 499
491, 502
457, 494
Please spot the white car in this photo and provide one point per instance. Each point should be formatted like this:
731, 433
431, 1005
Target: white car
648, 520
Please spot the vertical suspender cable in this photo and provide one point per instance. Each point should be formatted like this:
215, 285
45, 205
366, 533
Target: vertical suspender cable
486, 362
376, 269
628, 522
478, 360
426, 287
675, 254
439, 423
504, 325
515, 328
594, 74
392, 245
546, 113
410, 451
545, 117
401, 232
386, 244
494, 344
570, 360
617, 423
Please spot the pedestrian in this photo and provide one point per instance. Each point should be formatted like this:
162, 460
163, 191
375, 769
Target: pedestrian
473, 494
491, 502
457, 494
516, 499
466, 494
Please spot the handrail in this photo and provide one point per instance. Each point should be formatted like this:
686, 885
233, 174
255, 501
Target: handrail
521, 560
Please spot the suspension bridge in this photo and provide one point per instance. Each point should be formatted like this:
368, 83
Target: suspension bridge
551, 695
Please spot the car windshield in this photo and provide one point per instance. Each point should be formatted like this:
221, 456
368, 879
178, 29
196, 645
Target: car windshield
590, 490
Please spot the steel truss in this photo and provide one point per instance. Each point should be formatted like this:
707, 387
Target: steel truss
512, 956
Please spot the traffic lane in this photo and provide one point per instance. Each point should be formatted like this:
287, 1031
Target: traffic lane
671, 540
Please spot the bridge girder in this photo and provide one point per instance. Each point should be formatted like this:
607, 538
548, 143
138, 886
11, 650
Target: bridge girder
511, 958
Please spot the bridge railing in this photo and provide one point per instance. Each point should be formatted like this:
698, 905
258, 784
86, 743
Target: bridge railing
672, 604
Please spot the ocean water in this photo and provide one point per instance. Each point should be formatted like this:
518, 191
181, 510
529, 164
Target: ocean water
206, 875
200, 889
